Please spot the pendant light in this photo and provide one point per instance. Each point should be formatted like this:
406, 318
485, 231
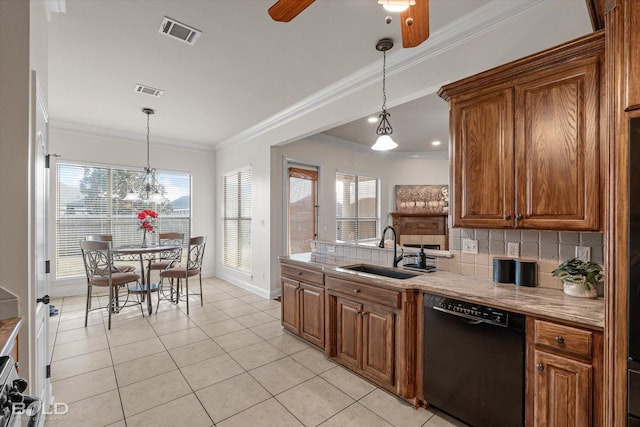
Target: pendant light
148, 186
384, 130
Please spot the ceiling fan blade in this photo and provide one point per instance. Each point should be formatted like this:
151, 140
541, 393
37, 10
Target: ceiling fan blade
418, 30
286, 10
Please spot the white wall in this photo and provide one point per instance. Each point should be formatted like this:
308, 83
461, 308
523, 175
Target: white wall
256, 156
22, 23
114, 151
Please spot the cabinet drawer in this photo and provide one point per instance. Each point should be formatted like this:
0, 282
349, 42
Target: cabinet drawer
365, 292
564, 338
303, 274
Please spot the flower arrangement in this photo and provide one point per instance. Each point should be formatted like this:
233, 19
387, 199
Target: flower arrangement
146, 218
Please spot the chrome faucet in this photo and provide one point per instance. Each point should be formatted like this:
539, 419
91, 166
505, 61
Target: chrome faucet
396, 258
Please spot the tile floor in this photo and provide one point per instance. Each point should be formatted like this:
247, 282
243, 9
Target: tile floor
227, 364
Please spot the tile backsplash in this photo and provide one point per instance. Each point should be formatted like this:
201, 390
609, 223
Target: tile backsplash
547, 248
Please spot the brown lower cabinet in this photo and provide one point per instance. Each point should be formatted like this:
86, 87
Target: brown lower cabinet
564, 375
303, 303
371, 330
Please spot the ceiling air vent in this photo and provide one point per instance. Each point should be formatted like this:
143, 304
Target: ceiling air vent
172, 28
148, 90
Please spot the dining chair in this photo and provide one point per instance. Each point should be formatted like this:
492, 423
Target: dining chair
192, 268
98, 265
109, 238
170, 258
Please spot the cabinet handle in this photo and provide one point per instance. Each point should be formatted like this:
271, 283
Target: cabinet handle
299, 273
559, 340
507, 216
356, 291
540, 367
519, 216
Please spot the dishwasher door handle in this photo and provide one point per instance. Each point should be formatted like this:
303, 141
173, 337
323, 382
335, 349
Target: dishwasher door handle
471, 319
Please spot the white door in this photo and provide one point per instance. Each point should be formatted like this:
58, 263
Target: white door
39, 307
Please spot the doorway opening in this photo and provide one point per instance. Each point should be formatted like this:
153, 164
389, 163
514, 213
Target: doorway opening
302, 207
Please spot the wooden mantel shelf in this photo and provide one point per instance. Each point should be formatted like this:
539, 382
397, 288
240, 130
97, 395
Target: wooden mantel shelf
413, 227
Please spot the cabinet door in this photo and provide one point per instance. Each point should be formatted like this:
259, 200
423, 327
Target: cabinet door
290, 305
557, 150
632, 53
483, 168
562, 395
312, 313
349, 333
378, 343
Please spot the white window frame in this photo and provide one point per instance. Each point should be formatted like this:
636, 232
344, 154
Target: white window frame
357, 218
70, 228
237, 220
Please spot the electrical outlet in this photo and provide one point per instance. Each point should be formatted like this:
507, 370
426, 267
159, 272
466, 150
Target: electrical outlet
469, 246
583, 252
513, 249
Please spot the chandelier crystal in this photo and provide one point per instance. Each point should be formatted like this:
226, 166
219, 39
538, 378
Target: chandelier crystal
148, 186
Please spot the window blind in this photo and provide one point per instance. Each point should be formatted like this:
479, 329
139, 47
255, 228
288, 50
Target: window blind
237, 219
90, 200
357, 213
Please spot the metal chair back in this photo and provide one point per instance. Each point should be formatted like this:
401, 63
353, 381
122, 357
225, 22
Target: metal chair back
196, 252
97, 258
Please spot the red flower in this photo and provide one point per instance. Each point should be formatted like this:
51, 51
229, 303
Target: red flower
146, 217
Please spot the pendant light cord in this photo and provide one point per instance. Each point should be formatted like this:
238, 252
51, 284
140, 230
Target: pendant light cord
148, 166
384, 88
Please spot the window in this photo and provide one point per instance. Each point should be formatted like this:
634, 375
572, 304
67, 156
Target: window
237, 220
90, 200
357, 213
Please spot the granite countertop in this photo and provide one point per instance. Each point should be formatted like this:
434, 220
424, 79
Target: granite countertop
540, 302
9, 329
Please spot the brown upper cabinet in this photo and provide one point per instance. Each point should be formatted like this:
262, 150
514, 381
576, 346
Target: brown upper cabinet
526, 141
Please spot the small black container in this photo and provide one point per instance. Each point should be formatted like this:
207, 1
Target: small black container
504, 270
526, 273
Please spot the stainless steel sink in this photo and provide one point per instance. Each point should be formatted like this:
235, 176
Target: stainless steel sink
380, 271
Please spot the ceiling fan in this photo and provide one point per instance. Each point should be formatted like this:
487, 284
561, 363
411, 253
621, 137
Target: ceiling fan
414, 20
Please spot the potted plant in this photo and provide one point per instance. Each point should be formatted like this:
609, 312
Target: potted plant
579, 277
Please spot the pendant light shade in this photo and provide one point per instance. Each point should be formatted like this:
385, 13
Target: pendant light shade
384, 143
384, 130
148, 187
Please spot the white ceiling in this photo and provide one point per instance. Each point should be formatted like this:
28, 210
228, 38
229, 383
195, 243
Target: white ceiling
244, 70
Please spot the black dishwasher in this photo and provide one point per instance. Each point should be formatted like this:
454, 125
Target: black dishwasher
474, 362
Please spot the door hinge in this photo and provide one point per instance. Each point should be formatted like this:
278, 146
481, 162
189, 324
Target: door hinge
47, 160
48, 371
47, 266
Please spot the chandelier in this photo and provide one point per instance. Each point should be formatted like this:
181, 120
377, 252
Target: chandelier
147, 186
384, 130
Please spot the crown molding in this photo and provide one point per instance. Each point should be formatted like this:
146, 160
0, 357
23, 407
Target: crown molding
128, 136
470, 26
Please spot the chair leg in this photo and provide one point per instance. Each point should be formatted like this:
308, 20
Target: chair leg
110, 306
201, 302
86, 312
186, 291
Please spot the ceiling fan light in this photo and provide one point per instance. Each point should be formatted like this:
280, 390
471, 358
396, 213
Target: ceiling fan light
396, 5
384, 143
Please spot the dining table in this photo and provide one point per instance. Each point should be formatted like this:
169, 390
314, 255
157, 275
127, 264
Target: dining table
148, 254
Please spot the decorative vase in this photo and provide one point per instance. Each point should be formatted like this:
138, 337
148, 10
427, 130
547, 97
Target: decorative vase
144, 239
579, 290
